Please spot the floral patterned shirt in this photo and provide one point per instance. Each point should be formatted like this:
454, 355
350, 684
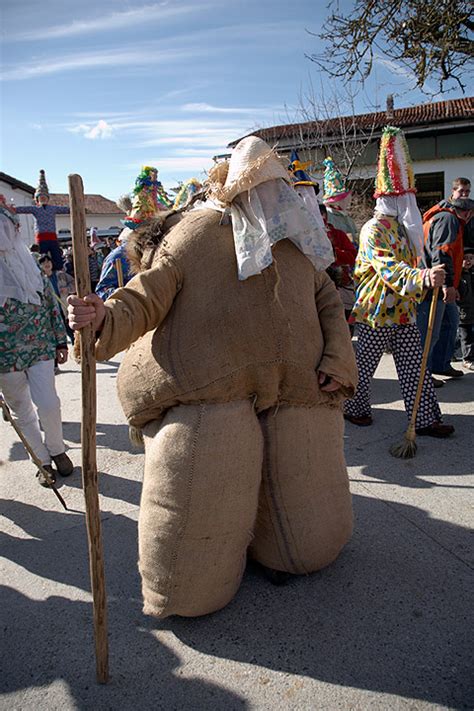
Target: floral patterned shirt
388, 284
30, 333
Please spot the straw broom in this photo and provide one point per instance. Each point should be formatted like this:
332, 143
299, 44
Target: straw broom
88, 432
407, 448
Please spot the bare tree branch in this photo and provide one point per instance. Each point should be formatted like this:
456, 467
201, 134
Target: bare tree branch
431, 39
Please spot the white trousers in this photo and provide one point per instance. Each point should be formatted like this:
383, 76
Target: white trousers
36, 385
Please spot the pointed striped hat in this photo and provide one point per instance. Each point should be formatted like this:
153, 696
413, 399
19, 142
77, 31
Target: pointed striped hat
394, 171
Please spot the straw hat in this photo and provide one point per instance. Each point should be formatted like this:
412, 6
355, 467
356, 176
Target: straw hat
252, 162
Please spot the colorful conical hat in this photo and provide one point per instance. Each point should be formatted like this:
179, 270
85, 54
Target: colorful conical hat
394, 171
335, 187
298, 171
42, 188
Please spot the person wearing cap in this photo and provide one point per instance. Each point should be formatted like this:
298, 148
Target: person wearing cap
388, 287
337, 198
32, 335
443, 227
239, 359
45, 221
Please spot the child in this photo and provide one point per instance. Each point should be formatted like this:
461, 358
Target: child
466, 309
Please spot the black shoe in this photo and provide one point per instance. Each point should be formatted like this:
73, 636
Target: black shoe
437, 383
362, 421
63, 464
436, 429
276, 577
41, 477
451, 372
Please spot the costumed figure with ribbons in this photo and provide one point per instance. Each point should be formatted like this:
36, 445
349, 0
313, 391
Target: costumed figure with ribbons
238, 360
345, 252
149, 201
337, 198
45, 221
188, 191
389, 285
305, 185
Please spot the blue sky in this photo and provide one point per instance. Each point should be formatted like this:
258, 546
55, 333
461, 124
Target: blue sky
102, 88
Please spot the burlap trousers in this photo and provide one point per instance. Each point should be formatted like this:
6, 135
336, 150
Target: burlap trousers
221, 481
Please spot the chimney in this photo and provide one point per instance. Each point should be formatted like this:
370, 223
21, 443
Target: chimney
389, 109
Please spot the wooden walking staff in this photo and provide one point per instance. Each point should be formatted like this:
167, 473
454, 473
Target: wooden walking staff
407, 448
88, 432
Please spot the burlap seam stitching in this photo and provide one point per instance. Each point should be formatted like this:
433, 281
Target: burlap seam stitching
189, 484
273, 503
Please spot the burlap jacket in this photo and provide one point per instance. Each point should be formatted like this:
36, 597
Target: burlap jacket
195, 333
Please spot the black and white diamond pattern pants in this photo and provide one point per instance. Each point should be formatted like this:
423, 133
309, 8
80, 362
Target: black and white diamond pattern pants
405, 345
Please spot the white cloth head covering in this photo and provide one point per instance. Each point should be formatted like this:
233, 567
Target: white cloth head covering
405, 210
20, 276
307, 194
268, 213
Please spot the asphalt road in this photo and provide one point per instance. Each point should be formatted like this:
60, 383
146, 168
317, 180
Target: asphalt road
388, 626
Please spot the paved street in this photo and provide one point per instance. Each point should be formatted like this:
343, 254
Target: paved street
388, 626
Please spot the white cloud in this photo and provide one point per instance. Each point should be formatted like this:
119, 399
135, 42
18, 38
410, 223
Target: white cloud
404, 72
209, 109
144, 56
102, 129
147, 14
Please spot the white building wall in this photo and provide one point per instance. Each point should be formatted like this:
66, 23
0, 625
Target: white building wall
102, 222
21, 197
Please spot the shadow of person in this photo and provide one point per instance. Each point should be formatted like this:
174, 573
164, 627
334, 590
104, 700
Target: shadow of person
368, 448
115, 487
59, 551
108, 436
52, 640
390, 616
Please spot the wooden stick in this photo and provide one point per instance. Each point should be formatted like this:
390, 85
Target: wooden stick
424, 360
26, 444
88, 432
118, 269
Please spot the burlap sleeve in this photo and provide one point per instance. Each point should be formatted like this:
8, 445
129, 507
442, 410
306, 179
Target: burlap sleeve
338, 360
138, 307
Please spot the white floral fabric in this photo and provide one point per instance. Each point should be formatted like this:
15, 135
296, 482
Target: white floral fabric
268, 213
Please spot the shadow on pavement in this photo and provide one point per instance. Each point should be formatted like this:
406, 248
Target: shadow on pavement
390, 616
108, 436
52, 641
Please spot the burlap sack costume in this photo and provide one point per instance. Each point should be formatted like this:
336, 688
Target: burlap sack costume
243, 451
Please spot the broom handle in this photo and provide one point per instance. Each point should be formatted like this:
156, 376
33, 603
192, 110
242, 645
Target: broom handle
26, 444
424, 360
88, 432
118, 269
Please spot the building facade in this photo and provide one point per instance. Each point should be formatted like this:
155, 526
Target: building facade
100, 211
440, 137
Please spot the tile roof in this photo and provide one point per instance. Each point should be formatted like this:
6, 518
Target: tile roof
14, 183
422, 114
95, 204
